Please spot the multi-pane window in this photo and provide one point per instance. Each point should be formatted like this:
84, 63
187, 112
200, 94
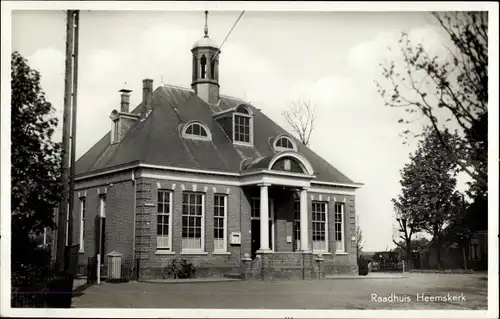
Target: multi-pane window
83, 209
319, 234
255, 208
102, 206
196, 129
163, 220
296, 223
102, 223
283, 143
339, 227
242, 129
192, 221
219, 222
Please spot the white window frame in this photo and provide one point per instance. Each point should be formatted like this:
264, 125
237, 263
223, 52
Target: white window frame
284, 149
202, 244
102, 205
83, 209
170, 196
325, 206
342, 225
250, 130
224, 249
196, 137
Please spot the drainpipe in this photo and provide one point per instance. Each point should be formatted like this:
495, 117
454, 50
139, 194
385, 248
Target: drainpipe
133, 229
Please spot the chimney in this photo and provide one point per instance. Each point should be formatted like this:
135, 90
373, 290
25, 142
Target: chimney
147, 95
125, 101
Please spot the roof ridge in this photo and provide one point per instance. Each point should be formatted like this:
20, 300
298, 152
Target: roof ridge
232, 97
178, 87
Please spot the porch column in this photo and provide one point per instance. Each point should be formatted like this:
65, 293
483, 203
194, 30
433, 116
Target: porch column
264, 218
304, 234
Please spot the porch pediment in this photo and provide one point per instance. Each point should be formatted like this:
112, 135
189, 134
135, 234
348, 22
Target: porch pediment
276, 178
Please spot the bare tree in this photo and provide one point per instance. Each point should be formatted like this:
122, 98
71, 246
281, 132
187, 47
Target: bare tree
359, 241
455, 83
406, 227
301, 116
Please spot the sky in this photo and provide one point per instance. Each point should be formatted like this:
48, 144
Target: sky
270, 59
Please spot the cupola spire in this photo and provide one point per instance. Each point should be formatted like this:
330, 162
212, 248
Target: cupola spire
206, 24
206, 67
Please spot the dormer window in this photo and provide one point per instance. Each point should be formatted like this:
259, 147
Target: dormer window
243, 126
284, 143
196, 130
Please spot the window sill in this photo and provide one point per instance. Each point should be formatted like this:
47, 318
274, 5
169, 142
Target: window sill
322, 253
238, 143
164, 252
194, 253
221, 253
341, 253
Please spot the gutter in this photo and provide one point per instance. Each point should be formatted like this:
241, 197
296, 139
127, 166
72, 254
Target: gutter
135, 212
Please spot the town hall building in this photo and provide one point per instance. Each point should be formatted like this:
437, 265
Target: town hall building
192, 174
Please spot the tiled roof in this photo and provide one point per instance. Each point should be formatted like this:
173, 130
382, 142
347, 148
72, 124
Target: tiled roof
157, 139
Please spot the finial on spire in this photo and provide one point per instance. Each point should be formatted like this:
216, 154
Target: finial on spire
206, 24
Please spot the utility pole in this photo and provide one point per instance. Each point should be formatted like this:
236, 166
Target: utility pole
63, 222
73, 127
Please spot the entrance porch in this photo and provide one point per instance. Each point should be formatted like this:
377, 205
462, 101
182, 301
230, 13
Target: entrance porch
280, 235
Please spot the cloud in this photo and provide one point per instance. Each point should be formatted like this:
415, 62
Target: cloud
367, 56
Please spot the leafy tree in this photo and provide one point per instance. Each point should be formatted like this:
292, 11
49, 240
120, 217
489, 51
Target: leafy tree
429, 199
36, 159
455, 84
301, 117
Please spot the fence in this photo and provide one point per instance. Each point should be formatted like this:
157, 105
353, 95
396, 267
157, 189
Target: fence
41, 289
388, 267
129, 270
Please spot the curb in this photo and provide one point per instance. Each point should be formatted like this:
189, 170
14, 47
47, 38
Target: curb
365, 277
190, 281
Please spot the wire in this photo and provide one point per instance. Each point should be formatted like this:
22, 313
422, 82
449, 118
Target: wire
234, 25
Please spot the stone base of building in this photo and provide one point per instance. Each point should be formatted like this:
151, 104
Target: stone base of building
270, 266
291, 265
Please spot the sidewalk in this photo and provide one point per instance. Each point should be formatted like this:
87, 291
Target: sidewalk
372, 275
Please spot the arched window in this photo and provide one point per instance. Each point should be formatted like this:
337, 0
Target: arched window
212, 69
242, 109
288, 164
196, 130
283, 143
243, 126
203, 65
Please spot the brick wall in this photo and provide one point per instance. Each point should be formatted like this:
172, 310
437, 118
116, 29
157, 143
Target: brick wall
207, 263
120, 224
119, 220
336, 262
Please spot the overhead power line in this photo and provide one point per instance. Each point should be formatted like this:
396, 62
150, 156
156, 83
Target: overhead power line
234, 25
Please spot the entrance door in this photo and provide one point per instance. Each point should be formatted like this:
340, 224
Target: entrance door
255, 227
255, 236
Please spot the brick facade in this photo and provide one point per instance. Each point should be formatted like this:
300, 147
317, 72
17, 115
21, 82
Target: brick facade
139, 241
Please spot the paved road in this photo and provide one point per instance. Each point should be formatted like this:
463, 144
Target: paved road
470, 292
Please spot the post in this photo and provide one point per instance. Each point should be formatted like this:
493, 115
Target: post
98, 269
304, 223
76, 14
63, 208
264, 218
